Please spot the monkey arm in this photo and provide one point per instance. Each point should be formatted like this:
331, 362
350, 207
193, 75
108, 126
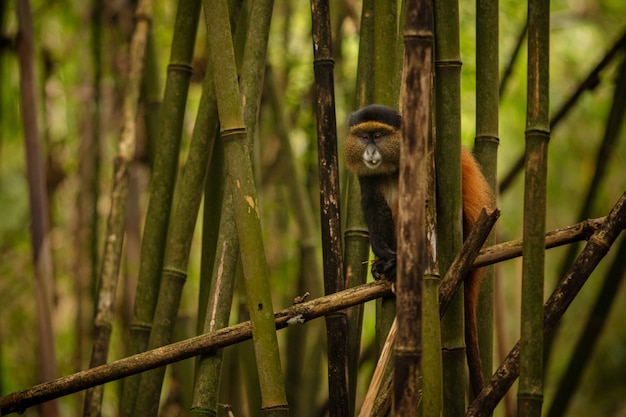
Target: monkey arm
379, 220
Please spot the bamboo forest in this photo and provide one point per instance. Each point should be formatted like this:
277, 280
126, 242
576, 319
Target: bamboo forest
203, 213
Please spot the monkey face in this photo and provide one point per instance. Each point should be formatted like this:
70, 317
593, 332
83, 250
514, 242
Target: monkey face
373, 145
372, 149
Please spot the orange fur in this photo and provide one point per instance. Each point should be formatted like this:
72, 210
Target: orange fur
476, 195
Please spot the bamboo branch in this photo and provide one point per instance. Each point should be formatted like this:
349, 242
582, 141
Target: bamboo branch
597, 247
19, 401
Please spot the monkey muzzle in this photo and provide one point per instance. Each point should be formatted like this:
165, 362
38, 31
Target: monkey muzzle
371, 156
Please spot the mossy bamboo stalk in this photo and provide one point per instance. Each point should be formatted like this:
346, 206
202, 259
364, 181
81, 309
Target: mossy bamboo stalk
174, 275
486, 150
304, 345
238, 163
208, 373
386, 72
356, 237
332, 253
213, 209
448, 165
530, 392
164, 169
432, 366
151, 96
590, 335
597, 247
38, 200
115, 223
412, 245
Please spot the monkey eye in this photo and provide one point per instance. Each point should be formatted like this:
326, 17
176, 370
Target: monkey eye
378, 136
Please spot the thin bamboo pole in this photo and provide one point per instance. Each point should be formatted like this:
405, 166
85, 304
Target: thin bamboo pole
486, 150
588, 84
448, 165
530, 393
332, 252
164, 169
180, 236
209, 369
115, 223
38, 200
597, 247
239, 168
412, 245
590, 335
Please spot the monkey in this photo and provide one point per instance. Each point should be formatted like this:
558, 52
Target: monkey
372, 153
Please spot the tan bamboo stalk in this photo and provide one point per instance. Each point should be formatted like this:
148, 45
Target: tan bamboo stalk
412, 245
486, 150
115, 223
449, 225
238, 163
332, 252
164, 169
596, 248
38, 199
530, 392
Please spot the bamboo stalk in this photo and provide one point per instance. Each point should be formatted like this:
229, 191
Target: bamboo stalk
164, 169
486, 150
589, 83
238, 163
411, 223
356, 237
590, 335
530, 392
208, 372
449, 205
38, 200
300, 348
115, 223
597, 247
336, 324
180, 236
605, 151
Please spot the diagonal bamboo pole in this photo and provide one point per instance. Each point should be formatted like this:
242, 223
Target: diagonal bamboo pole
164, 169
597, 247
239, 169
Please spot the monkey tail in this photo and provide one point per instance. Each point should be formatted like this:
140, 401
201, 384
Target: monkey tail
476, 195
474, 362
